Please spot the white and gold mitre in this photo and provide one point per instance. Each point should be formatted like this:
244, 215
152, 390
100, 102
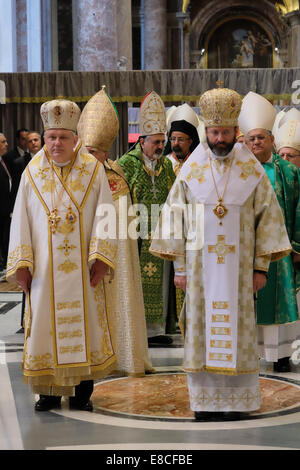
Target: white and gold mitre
186, 113
152, 115
220, 107
169, 113
286, 129
256, 113
98, 125
60, 114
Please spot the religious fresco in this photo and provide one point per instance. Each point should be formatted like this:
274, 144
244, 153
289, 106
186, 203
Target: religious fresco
240, 44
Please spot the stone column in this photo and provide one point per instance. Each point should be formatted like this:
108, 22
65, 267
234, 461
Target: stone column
294, 41
21, 23
95, 35
8, 42
124, 34
155, 34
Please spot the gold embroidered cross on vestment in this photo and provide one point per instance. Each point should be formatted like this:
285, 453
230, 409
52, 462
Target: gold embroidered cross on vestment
221, 249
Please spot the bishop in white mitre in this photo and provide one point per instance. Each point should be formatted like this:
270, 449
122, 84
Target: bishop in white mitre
60, 255
221, 225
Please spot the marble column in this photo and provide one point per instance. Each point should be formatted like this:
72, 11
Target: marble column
155, 34
294, 40
124, 34
95, 34
21, 22
8, 41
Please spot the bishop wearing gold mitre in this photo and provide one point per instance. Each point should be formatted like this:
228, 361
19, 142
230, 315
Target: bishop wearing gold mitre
59, 255
98, 127
221, 225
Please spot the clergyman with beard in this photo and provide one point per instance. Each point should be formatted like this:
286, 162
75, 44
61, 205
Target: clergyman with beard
221, 257
183, 135
150, 176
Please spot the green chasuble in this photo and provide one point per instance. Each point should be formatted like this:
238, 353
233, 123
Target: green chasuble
276, 302
143, 191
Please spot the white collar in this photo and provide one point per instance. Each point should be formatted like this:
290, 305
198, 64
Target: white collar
150, 163
61, 165
21, 151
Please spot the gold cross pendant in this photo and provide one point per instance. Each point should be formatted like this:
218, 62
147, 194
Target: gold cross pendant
53, 220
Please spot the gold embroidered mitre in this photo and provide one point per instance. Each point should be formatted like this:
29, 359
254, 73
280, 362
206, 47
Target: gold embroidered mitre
60, 114
220, 107
152, 115
98, 125
286, 129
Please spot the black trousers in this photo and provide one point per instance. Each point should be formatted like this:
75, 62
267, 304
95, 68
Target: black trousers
83, 392
4, 240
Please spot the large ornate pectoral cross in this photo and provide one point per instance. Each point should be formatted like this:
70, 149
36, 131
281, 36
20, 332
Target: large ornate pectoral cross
221, 249
53, 220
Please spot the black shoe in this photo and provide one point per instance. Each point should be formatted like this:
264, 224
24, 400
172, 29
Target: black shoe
46, 403
219, 416
283, 365
75, 405
206, 416
161, 339
232, 415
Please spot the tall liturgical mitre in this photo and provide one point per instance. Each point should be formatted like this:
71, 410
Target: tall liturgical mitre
152, 118
256, 113
220, 107
60, 114
99, 122
286, 129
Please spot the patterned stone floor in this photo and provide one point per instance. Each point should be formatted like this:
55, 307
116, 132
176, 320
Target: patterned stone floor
138, 414
166, 396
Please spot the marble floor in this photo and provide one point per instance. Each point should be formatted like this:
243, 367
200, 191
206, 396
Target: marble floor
138, 414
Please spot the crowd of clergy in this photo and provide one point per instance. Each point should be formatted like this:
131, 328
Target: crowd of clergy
94, 301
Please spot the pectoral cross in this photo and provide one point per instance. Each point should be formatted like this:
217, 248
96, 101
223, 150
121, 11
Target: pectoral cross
154, 191
221, 249
53, 220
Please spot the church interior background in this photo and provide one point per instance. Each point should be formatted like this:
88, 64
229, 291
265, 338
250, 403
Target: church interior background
178, 48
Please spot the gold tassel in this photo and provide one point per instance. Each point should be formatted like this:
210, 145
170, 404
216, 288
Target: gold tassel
185, 4
28, 315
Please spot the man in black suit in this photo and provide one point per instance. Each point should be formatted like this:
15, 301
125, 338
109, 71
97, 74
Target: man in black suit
7, 202
21, 147
33, 145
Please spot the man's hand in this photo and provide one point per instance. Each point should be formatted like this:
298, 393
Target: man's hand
259, 281
180, 281
98, 272
24, 279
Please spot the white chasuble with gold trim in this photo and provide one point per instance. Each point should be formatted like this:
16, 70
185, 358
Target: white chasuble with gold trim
221, 243
57, 217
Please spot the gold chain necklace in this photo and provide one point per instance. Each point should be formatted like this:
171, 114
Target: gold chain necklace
220, 210
53, 218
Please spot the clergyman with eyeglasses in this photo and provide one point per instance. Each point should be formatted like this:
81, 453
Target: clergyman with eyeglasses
277, 309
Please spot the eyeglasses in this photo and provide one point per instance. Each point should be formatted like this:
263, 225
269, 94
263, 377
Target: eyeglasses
289, 156
180, 140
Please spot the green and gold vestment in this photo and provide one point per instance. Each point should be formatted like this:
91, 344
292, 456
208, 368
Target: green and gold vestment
143, 191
